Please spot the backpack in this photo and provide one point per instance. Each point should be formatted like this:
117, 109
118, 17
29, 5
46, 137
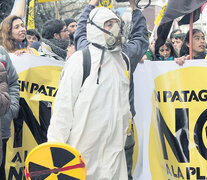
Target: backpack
87, 63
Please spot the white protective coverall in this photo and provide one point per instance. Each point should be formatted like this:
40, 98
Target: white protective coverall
94, 118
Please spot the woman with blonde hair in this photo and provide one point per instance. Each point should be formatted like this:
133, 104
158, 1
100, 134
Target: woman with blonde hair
13, 36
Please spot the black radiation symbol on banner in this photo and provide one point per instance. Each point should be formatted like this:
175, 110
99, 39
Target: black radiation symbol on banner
64, 164
105, 3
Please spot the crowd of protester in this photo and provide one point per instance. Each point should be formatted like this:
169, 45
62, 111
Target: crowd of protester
59, 40
177, 47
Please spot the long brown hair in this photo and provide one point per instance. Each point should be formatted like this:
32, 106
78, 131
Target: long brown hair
173, 53
6, 39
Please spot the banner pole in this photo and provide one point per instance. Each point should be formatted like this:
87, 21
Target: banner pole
27, 13
152, 35
191, 36
56, 10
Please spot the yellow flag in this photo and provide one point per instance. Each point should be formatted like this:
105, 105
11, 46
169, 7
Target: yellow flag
31, 22
104, 3
42, 1
159, 17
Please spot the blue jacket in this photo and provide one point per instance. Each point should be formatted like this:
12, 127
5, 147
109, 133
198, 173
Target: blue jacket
135, 47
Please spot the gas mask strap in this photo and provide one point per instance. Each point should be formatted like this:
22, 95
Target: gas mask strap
104, 30
92, 23
98, 46
101, 61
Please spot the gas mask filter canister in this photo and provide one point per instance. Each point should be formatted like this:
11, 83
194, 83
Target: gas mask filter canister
114, 40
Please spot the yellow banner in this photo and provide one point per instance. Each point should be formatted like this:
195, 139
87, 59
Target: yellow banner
38, 87
104, 3
171, 120
178, 131
159, 17
31, 22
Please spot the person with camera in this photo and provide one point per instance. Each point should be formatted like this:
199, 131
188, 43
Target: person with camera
134, 48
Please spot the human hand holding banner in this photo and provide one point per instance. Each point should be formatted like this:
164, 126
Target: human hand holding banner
100, 3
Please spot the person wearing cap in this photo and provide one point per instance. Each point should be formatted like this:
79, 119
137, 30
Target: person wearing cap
71, 25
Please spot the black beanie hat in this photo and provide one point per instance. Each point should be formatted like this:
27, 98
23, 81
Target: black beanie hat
69, 20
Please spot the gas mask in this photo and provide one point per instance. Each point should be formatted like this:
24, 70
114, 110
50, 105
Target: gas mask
115, 38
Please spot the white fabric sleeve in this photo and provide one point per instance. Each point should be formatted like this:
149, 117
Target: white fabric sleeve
68, 91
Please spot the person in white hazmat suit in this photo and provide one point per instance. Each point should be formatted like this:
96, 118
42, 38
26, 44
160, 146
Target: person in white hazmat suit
94, 117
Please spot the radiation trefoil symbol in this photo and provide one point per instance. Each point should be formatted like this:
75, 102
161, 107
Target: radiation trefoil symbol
105, 3
52, 161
